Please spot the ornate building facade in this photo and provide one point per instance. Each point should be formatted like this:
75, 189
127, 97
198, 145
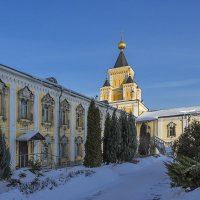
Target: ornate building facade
120, 88
43, 120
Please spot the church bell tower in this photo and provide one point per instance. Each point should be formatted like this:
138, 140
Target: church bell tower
120, 88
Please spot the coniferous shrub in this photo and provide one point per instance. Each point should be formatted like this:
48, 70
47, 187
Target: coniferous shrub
188, 144
35, 166
5, 170
184, 171
145, 140
107, 139
93, 152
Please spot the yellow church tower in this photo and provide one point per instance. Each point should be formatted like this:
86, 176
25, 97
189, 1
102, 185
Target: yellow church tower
120, 88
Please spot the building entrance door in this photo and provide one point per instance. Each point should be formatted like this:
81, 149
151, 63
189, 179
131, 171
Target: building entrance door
23, 154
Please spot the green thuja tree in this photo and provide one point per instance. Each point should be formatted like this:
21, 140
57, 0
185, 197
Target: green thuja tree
132, 138
5, 170
118, 142
145, 140
124, 136
113, 139
93, 151
107, 139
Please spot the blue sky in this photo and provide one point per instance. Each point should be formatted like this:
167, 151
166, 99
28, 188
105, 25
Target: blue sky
76, 42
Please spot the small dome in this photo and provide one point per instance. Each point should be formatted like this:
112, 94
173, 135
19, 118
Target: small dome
121, 45
52, 79
129, 80
107, 83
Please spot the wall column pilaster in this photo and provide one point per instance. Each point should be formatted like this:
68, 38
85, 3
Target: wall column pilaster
12, 126
36, 122
56, 127
72, 134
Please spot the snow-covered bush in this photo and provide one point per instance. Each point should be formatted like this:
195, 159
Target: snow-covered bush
35, 166
184, 172
37, 184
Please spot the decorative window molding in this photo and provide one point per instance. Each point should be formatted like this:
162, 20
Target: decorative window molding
171, 130
25, 106
65, 114
78, 146
63, 147
3, 94
48, 104
80, 114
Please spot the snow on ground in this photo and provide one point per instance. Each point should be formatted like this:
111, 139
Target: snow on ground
146, 180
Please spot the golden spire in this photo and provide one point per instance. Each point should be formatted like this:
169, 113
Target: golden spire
121, 45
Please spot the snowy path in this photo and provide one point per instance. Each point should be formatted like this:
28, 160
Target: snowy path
147, 183
146, 180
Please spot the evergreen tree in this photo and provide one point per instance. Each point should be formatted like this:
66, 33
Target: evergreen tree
107, 139
188, 143
93, 152
113, 146
185, 169
118, 142
132, 139
124, 136
5, 170
145, 140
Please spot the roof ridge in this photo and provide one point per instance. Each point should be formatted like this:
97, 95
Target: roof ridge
121, 60
173, 108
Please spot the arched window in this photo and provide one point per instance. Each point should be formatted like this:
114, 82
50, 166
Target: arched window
78, 142
3, 94
47, 110
24, 109
171, 130
46, 149
63, 117
46, 113
80, 112
65, 113
25, 105
63, 147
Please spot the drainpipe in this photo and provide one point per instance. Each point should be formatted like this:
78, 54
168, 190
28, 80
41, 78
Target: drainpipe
59, 156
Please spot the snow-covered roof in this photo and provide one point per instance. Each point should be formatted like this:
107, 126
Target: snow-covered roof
154, 115
31, 135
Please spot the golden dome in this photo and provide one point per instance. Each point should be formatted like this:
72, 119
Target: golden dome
121, 45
